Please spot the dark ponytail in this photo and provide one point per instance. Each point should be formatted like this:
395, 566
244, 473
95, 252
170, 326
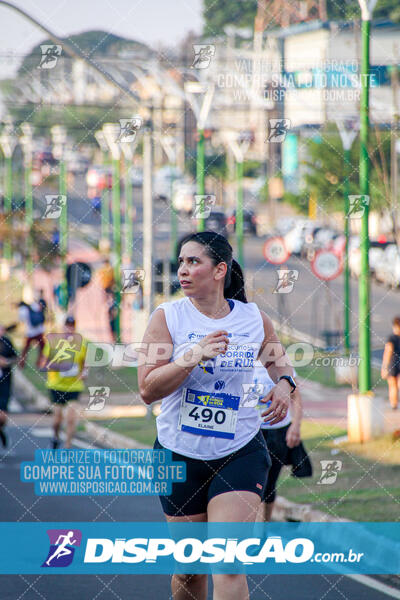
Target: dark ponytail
219, 250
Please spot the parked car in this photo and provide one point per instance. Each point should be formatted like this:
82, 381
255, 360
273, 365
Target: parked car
387, 267
376, 255
217, 222
249, 222
136, 176
164, 179
295, 237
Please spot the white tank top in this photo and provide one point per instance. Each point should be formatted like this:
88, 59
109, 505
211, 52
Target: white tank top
204, 418
263, 385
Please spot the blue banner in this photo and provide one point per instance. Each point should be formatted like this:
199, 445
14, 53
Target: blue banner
146, 548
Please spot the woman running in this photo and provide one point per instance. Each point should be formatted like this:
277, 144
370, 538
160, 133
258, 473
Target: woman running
214, 337
280, 439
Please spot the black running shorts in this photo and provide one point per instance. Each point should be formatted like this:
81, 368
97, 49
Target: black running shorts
245, 469
279, 452
62, 398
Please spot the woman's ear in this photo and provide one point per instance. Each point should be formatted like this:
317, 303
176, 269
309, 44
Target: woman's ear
220, 270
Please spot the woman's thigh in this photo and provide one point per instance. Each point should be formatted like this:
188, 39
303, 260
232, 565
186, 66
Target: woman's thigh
237, 506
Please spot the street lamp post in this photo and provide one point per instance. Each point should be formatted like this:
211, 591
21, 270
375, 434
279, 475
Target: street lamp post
201, 113
347, 135
104, 207
59, 137
128, 151
111, 133
364, 411
26, 143
364, 284
8, 143
169, 143
238, 147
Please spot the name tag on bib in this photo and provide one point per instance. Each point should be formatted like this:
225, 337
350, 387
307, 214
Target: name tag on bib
208, 414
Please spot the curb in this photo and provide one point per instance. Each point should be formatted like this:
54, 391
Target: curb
28, 394
110, 439
285, 510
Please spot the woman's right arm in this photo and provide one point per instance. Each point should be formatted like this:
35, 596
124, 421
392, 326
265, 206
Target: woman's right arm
387, 357
162, 377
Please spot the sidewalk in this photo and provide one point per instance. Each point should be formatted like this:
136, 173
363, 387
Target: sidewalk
329, 405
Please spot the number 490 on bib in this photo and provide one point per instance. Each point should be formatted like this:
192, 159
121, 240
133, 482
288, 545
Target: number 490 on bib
208, 414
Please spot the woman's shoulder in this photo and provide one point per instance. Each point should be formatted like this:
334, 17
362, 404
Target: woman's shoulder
250, 307
172, 304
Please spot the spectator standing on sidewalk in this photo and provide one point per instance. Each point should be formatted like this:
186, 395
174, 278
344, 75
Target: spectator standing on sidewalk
33, 316
106, 277
64, 359
8, 357
391, 363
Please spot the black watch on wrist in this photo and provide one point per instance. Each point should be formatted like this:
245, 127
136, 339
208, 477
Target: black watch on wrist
290, 380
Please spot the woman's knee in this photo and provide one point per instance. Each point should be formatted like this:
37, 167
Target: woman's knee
227, 582
186, 579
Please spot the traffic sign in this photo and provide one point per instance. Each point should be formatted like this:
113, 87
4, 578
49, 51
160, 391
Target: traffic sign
275, 251
326, 265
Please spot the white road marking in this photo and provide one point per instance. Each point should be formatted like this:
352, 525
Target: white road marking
376, 585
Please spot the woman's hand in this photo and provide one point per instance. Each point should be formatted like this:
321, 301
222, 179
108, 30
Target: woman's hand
213, 344
293, 435
384, 372
280, 399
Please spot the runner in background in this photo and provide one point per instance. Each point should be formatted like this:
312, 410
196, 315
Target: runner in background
105, 276
283, 440
64, 360
391, 363
33, 316
8, 357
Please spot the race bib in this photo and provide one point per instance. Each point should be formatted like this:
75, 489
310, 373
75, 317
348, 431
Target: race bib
208, 414
72, 372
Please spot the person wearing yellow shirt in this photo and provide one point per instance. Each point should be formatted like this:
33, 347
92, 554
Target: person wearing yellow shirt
64, 360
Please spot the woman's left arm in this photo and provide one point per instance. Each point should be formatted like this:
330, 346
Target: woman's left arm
272, 353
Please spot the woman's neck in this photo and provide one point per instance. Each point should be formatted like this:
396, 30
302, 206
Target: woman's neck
215, 307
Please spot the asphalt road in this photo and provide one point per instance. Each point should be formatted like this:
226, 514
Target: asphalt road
19, 503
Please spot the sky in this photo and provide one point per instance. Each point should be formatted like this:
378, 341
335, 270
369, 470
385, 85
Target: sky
149, 21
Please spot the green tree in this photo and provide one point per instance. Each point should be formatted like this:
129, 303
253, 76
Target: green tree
325, 172
219, 13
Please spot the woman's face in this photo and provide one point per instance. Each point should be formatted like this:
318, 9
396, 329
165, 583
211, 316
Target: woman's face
196, 272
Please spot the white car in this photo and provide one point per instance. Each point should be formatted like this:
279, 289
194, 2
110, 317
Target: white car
164, 179
387, 269
295, 238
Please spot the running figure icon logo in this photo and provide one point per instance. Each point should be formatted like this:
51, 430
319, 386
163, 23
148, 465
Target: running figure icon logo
252, 392
62, 351
62, 547
286, 281
131, 279
330, 471
129, 129
278, 129
97, 397
50, 55
203, 204
54, 206
203, 54
357, 205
